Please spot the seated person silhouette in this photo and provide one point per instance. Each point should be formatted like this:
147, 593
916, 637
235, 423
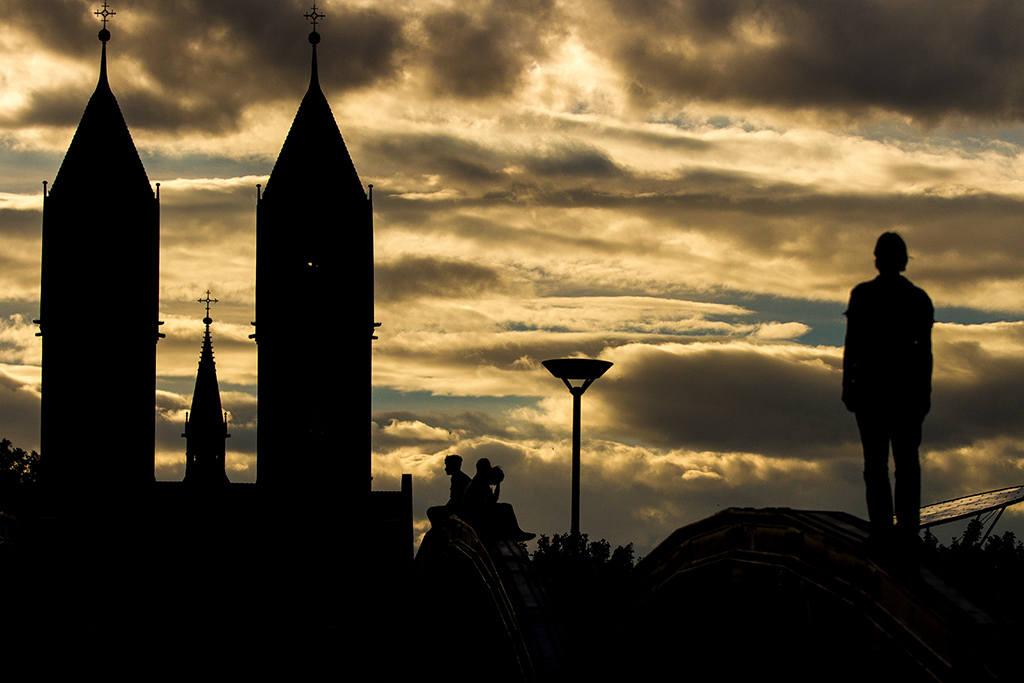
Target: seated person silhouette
457, 492
482, 509
887, 371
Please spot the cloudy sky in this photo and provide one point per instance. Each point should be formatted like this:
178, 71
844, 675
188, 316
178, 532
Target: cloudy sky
688, 189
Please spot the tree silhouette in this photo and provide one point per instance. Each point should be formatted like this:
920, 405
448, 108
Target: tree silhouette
18, 469
589, 585
18, 465
988, 572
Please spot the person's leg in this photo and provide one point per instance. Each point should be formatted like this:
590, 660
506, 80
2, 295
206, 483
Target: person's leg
874, 436
506, 515
906, 443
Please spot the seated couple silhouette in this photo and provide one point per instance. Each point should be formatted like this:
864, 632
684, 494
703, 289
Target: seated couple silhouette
475, 500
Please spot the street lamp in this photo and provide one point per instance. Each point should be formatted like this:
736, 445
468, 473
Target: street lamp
578, 374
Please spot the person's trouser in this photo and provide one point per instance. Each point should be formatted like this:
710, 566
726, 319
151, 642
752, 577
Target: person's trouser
877, 431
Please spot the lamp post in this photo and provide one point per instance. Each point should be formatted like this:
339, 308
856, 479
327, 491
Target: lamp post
583, 371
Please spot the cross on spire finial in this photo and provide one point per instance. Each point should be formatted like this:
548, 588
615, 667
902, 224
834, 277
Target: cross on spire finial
207, 301
314, 16
104, 34
104, 14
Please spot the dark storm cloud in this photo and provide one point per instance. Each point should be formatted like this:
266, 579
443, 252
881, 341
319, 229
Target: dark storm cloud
479, 168
923, 58
64, 25
458, 160
411, 277
54, 107
485, 53
211, 60
573, 160
785, 403
726, 398
984, 400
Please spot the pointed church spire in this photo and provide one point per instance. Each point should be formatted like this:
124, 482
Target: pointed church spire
102, 146
314, 237
101, 230
314, 234
314, 153
205, 426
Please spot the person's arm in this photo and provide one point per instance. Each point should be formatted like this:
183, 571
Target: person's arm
923, 357
851, 349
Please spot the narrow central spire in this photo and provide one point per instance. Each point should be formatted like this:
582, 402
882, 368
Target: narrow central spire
206, 424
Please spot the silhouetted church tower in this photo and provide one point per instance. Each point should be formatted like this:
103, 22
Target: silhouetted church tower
314, 308
206, 428
99, 306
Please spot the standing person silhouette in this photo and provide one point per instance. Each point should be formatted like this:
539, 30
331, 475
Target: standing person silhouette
887, 377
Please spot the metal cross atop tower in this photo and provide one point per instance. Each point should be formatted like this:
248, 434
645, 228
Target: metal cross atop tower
314, 16
104, 14
207, 301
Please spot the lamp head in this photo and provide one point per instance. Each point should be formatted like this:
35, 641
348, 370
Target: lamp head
582, 371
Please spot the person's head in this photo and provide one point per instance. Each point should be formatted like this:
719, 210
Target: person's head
890, 253
482, 465
497, 475
452, 464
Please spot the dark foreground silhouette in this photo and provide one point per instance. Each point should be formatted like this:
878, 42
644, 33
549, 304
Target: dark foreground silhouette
477, 503
887, 369
770, 594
